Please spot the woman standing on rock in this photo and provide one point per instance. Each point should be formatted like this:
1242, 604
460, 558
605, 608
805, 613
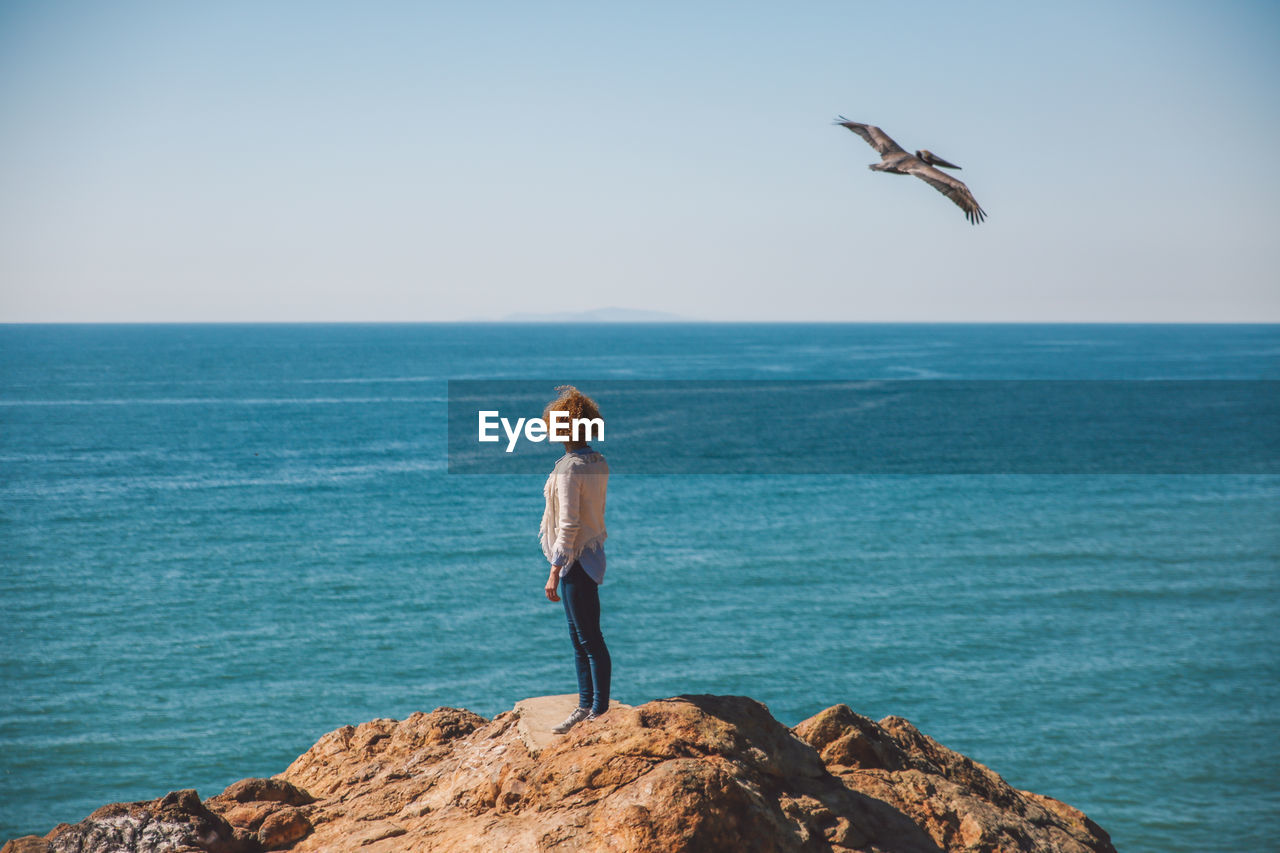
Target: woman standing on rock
573, 535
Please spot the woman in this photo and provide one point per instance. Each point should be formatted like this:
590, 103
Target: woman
573, 535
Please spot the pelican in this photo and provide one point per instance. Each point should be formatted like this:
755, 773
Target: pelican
925, 165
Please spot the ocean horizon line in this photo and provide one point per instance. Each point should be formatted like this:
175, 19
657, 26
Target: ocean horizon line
647, 323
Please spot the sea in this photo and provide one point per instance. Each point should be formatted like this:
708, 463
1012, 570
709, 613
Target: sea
220, 542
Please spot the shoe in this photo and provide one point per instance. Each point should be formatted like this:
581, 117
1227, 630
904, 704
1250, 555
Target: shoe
578, 715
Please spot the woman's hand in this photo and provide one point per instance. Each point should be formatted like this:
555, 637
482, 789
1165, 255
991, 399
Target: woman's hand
552, 583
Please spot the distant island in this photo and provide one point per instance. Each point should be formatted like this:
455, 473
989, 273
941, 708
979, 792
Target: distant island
599, 315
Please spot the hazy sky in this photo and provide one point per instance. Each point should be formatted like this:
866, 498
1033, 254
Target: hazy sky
228, 161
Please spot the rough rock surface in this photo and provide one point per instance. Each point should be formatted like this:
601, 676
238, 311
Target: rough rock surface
266, 810
959, 802
538, 717
177, 821
692, 773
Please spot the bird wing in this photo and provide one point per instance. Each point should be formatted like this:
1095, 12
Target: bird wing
950, 187
876, 138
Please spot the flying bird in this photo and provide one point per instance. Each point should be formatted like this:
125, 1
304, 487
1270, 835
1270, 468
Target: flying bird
925, 165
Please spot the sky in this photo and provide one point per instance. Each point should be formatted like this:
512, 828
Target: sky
376, 161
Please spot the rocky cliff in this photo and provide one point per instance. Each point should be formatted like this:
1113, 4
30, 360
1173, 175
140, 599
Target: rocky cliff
692, 773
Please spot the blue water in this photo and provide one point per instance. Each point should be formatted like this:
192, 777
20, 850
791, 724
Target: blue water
220, 542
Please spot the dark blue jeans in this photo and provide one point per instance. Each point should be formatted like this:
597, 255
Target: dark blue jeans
581, 597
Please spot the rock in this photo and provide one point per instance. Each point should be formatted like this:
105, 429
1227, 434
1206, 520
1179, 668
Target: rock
177, 821
337, 757
266, 791
959, 802
694, 773
537, 717
263, 809
691, 773
282, 828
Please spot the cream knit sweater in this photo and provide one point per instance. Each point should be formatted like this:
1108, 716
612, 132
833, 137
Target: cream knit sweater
573, 519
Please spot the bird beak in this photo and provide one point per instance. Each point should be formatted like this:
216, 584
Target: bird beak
934, 160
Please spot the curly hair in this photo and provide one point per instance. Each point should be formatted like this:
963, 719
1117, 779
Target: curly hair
578, 405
